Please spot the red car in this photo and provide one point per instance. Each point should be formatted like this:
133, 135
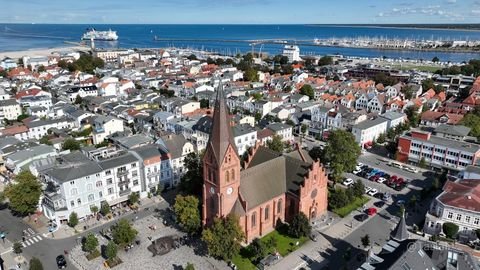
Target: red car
371, 211
374, 178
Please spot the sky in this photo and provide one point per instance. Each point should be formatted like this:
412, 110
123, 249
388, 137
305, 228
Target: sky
239, 11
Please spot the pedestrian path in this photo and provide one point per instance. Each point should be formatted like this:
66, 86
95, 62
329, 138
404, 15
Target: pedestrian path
32, 240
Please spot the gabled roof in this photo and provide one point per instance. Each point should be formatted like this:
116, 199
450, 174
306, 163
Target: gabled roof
464, 194
400, 232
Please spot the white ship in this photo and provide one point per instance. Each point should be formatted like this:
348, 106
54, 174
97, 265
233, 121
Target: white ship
91, 33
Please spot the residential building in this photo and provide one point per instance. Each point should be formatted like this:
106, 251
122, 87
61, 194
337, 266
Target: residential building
367, 132
104, 126
39, 128
292, 52
456, 132
283, 130
9, 109
245, 136
178, 148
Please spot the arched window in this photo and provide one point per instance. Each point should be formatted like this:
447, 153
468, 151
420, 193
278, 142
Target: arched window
212, 204
279, 206
254, 219
267, 212
233, 174
227, 176
73, 191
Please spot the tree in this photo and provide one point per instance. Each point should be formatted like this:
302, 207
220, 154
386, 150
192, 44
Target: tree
258, 249
191, 182
204, 103
45, 140
450, 229
381, 138
408, 91
21, 117
17, 248
338, 198
223, 238
275, 144
413, 115
427, 85
41, 68
307, 90
187, 211
472, 121
304, 128
2, 197
104, 208
422, 163
325, 61
435, 59
71, 144
342, 152
438, 89
385, 79
25, 194
35, 264
133, 198
111, 251
123, 233
94, 209
78, 100
250, 75
192, 57
62, 64
463, 93
73, 219
300, 226
90, 243
190, 266
358, 189
316, 153
365, 241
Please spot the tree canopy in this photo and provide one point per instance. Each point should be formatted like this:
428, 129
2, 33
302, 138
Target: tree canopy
325, 61
341, 151
123, 233
86, 63
187, 211
223, 238
90, 243
300, 226
73, 219
308, 90
191, 182
472, 121
133, 198
24, 194
276, 144
250, 74
71, 144
111, 251
412, 115
450, 229
35, 264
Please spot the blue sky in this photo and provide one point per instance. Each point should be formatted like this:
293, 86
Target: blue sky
240, 11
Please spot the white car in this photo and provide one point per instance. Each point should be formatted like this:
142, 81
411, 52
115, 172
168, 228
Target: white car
367, 189
410, 169
357, 170
381, 180
348, 182
372, 192
359, 164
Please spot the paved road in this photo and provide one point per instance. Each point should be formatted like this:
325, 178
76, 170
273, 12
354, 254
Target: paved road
47, 249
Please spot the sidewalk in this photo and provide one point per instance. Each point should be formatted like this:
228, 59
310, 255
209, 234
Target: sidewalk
64, 231
339, 229
10, 259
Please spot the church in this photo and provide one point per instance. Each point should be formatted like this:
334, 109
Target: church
270, 187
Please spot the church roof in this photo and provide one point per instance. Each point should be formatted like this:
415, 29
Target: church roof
221, 135
400, 232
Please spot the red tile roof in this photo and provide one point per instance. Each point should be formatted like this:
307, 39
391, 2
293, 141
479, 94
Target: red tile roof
431, 116
464, 194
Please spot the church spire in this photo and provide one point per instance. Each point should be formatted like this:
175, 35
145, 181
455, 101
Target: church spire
221, 135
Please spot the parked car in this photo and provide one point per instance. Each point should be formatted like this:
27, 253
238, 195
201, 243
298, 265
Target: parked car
371, 211
381, 179
410, 169
361, 217
386, 197
347, 182
61, 262
373, 178
379, 204
367, 189
356, 171
372, 192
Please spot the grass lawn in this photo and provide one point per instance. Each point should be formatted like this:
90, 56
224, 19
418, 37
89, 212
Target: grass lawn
347, 209
418, 67
284, 245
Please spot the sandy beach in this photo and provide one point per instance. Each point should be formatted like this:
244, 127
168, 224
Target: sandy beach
41, 52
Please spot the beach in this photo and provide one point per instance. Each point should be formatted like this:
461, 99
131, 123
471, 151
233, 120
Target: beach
41, 52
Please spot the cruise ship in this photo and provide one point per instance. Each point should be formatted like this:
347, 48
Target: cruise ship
91, 33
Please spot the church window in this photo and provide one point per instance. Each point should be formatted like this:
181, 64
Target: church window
279, 206
212, 204
233, 174
254, 219
227, 176
267, 212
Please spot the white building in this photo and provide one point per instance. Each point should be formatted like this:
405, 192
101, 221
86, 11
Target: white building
104, 126
283, 130
368, 131
292, 52
178, 148
9, 109
245, 136
39, 128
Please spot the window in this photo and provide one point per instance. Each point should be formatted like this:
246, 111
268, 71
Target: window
254, 219
227, 176
267, 212
97, 175
109, 181
73, 192
79, 201
450, 215
72, 203
135, 182
91, 198
134, 165
476, 221
232, 174
109, 172
467, 219
212, 204
98, 184
279, 206
100, 194
89, 187
72, 182
459, 217
110, 191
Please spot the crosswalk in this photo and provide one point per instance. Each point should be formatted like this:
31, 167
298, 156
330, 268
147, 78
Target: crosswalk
32, 240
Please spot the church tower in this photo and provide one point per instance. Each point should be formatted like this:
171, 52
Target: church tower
221, 165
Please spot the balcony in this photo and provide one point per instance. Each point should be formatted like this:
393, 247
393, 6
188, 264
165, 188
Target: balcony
122, 172
124, 182
149, 174
125, 192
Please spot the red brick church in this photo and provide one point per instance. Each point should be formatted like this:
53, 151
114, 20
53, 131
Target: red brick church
271, 186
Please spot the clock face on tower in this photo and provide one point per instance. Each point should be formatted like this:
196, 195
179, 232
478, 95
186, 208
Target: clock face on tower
212, 190
229, 190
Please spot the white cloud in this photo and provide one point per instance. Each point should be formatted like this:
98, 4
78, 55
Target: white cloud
451, 1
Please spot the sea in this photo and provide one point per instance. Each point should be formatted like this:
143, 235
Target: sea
233, 39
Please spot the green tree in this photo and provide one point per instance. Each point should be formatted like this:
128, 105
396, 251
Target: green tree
71, 144
413, 115
45, 140
408, 91
413, 201
342, 152
78, 100
223, 238
422, 163
123, 233
190, 266
385, 79
472, 121
439, 88
90, 243
111, 251
35, 264
2, 197
358, 189
258, 249
307, 90
304, 128
450, 229
325, 61
191, 182
250, 75
276, 144
94, 209
104, 208
427, 85
187, 212
133, 198
73, 219
192, 57
257, 96
381, 138
300, 226
316, 153
435, 59
41, 68
25, 194
204, 103
62, 64
338, 198
365, 240
463, 93
17, 248
21, 117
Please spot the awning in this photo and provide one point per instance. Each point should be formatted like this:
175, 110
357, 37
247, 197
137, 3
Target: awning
118, 200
